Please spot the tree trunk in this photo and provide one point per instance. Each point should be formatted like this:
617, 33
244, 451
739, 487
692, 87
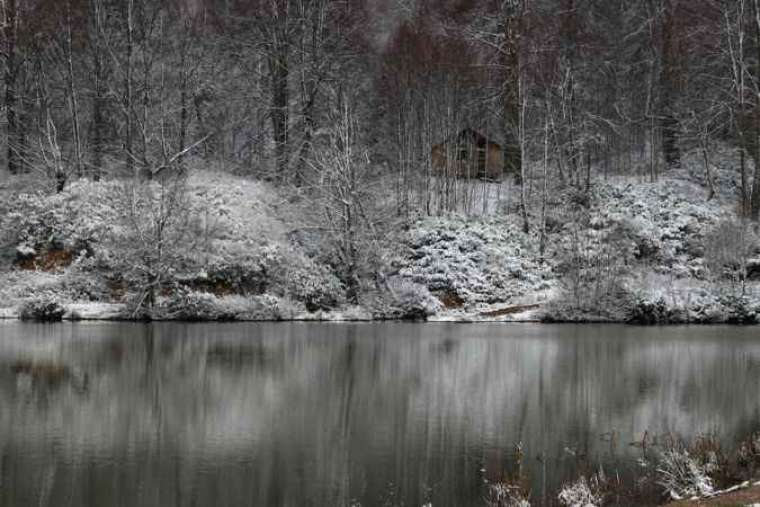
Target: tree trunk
183, 116
12, 67
512, 102
99, 98
128, 90
73, 103
668, 123
542, 240
279, 74
569, 29
754, 204
147, 67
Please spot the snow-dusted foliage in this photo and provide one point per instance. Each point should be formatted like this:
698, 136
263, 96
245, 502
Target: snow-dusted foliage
593, 264
581, 493
313, 284
664, 300
477, 260
79, 217
683, 476
648, 253
43, 308
629, 251
730, 247
666, 221
198, 242
404, 299
191, 305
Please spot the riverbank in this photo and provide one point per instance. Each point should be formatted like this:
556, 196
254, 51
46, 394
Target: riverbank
628, 250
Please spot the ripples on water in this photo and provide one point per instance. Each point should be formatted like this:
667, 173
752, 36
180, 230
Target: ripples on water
113, 414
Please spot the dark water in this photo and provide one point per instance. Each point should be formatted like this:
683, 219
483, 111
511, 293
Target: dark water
337, 414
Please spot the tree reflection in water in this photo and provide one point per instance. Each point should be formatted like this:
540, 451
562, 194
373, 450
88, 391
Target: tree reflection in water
328, 414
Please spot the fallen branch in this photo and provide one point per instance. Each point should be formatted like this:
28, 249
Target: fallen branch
509, 310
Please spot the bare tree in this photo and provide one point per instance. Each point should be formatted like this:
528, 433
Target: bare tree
669, 84
161, 231
341, 168
13, 62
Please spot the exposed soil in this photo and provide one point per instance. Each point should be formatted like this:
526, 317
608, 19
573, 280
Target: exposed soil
50, 260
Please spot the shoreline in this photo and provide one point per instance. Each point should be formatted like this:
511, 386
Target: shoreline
114, 312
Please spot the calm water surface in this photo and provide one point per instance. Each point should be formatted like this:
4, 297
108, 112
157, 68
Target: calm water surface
117, 414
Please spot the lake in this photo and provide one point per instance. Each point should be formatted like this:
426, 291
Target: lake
123, 414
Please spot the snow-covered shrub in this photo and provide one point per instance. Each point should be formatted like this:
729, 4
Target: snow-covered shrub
483, 260
314, 285
256, 271
648, 312
409, 300
237, 278
593, 265
190, 306
160, 235
83, 281
740, 310
728, 246
666, 223
264, 307
682, 475
503, 494
44, 308
581, 493
75, 219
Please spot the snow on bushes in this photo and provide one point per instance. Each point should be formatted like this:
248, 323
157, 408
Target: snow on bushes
666, 220
581, 493
217, 234
502, 494
251, 273
682, 476
44, 308
595, 253
478, 260
404, 300
658, 299
191, 305
729, 247
665, 231
234, 239
80, 216
593, 264
314, 285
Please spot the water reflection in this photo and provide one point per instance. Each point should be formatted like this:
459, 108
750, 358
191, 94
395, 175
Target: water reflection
314, 414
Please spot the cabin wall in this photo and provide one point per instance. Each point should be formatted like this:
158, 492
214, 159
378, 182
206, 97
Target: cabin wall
495, 163
491, 166
438, 159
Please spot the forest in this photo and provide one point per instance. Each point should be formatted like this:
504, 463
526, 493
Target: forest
556, 160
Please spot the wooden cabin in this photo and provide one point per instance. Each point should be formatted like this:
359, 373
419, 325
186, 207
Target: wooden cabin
468, 154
